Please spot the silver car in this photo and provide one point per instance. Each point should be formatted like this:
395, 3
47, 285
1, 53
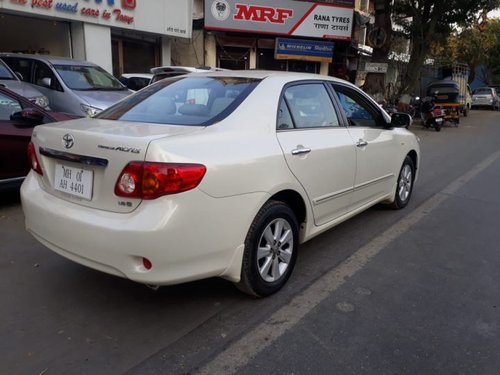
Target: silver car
11, 81
72, 86
485, 97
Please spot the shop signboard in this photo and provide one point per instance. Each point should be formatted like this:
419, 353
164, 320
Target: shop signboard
166, 17
299, 49
371, 67
282, 17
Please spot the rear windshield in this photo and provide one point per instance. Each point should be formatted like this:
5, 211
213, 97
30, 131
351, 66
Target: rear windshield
198, 101
88, 78
443, 88
482, 91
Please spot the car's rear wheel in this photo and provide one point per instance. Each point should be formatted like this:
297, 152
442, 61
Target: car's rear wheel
270, 250
404, 186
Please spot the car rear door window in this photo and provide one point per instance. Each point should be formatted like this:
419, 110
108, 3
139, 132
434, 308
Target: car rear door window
307, 105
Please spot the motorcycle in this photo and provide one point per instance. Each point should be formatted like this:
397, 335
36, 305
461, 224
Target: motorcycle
432, 115
414, 107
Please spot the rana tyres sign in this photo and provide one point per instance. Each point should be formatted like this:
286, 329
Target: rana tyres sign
282, 17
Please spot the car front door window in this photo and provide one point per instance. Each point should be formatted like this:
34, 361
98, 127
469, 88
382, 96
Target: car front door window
357, 111
44, 77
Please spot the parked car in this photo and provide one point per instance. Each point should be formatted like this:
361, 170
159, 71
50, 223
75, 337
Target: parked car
18, 116
163, 72
136, 81
215, 174
496, 87
72, 86
11, 81
485, 97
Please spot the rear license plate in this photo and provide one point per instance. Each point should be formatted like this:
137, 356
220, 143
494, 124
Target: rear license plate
75, 181
439, 120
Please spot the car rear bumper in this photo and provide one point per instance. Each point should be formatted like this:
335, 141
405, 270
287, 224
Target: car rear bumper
186, 237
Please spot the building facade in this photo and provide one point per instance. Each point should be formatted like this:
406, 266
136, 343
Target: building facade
122, 36
286, 35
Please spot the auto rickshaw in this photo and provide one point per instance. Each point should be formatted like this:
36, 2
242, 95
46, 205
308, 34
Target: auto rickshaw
447, 97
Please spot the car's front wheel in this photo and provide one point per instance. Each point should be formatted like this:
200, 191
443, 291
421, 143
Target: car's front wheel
270, 250
404, 186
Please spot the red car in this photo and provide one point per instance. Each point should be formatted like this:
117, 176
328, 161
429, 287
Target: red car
18, 117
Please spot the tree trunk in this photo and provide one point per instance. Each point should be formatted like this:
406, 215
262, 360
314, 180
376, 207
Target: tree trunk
412, 78
380, 40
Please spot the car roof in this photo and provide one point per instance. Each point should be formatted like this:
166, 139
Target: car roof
184, 69
444, 82
261, 74
138, 75
54, 60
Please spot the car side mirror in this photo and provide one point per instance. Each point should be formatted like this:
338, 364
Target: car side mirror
19, 75
401, 120
28, 116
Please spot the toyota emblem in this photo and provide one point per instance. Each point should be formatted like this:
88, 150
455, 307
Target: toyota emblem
68, 140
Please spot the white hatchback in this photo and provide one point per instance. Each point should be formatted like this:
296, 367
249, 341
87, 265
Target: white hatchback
215, 174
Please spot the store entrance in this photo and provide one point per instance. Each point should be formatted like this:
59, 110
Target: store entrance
233, 58
131, 56
266, 61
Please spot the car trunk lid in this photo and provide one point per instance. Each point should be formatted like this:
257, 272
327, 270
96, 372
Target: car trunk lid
82, 159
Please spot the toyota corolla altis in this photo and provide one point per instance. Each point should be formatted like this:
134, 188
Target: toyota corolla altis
215, 174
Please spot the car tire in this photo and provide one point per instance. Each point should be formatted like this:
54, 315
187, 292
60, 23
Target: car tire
404, 186
270, 250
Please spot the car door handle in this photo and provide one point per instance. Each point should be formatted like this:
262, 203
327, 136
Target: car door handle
362, 143
301, 150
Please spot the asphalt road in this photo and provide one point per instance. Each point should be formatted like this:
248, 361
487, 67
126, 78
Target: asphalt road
393, 292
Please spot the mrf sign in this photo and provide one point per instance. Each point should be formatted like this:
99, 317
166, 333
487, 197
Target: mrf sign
282, 17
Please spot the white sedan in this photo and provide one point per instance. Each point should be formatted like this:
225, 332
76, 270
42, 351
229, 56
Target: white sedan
215, 174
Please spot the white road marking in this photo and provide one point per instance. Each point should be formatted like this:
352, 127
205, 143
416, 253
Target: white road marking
241, 352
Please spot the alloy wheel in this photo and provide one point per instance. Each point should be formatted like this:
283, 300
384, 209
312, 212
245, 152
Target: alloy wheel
275, 249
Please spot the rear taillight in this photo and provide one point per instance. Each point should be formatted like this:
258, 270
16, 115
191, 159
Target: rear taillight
148, 180
35, 165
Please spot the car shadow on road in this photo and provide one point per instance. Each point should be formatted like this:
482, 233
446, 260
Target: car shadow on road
9, 197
